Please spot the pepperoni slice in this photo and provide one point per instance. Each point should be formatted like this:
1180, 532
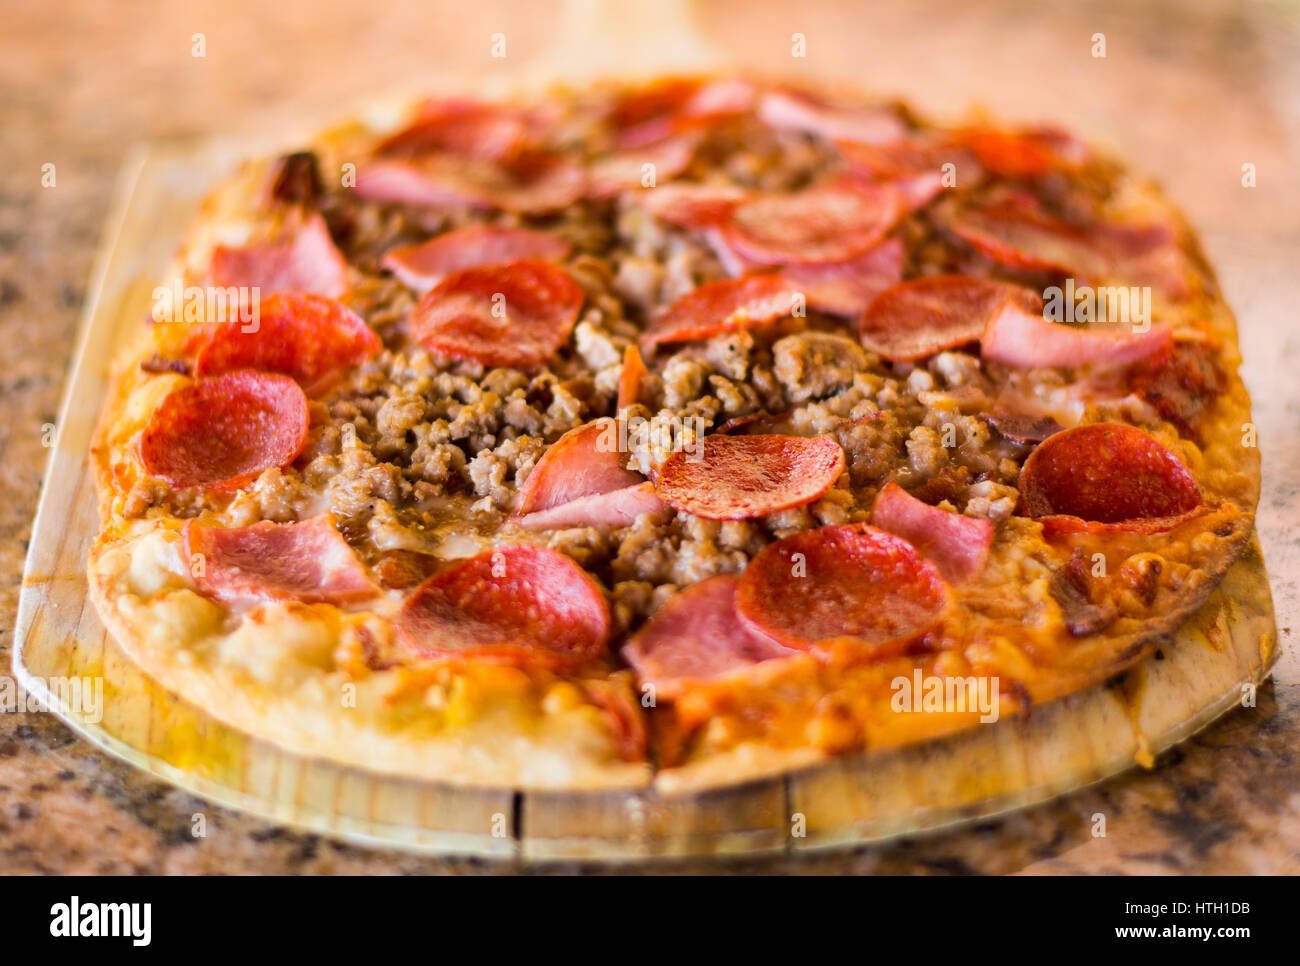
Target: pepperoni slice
958, 545
615, 508
307, 337
631, 381
786, 110
582, 462
848, 288
308, 561
517, 604
829, 223
626, 170
922, 316
742, 477
727, 305
697, 636
1109, 474
1015, 337
818, 587
223, 431
424, 265
518, 314
306, 262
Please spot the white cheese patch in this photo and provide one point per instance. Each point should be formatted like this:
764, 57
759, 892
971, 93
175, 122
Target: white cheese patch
458, 545
181, 620
278, 648
157, 564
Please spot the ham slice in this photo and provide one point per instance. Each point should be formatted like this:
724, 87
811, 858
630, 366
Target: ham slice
786, 110
308, 561
915, 191
1149, 255
615, 508
440, 180
720, 98
308, 261
490, 132
1015, 337
583, 462
914, 169
533, 185
846, 288
424, 265
696, 637
958, 545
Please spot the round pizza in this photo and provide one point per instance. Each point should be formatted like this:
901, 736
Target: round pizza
684, 432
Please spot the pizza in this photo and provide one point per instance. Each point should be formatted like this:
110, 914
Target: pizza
666, 433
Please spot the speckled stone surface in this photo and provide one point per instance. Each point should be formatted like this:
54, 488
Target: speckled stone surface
1190, 92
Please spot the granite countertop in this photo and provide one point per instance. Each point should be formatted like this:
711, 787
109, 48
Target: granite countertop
1189, 92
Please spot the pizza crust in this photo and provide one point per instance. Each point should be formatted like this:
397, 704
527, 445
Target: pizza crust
271, 674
